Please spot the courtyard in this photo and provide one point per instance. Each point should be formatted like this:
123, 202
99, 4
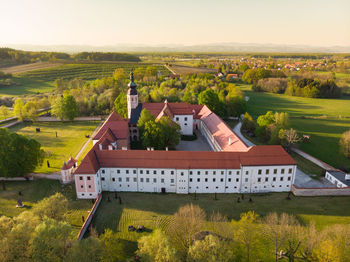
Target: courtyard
200, 144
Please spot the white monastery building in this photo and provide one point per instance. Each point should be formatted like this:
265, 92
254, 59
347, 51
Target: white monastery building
232, 166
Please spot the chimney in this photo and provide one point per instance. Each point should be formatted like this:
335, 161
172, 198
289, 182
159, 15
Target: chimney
124, 148
148, 149
100, 146
229, 141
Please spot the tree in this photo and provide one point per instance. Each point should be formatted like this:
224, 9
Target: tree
211, 99
30, 110
54, 207
290, 136
248, 123
19, 155
171, 132
120, 105
65, 108
210, 249
119, 75
18, 108
247, 234
153, 135
345, 143
156, 247
88, 249
145, 116
113, 248
4, 112
187, 221
50, 240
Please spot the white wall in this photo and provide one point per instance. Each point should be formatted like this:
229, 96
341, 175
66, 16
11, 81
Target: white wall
185, 122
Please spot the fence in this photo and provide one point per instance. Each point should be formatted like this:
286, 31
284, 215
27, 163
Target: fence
82, 118
89, 218
321, 191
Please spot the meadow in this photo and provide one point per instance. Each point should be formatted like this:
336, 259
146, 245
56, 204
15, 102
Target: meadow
36, 190
70, 139
325, 120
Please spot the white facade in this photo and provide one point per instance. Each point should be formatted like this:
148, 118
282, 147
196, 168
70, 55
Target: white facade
247, 179
88, 186
336, 181
185, 122
133, 101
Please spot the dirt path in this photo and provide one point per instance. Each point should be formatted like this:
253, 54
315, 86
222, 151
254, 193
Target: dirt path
89, 140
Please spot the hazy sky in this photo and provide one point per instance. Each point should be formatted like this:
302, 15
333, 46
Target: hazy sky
109, 22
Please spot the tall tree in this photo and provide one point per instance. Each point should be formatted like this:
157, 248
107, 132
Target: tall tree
171, 132
87, 250
65, 108
18, 108
4, 112
54, 207
120, 105
211, 99
113, 248
145, 116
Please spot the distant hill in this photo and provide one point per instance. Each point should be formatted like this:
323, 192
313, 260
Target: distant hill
210, 48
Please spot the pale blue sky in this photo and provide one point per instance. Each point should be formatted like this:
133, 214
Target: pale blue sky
109, 22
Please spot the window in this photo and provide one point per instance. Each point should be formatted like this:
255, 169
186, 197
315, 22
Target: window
147, 180
198, 172
185, 124
81, 186
141, 179
172, 172
237, 179
206, 187
230, 172
274, 179
147, 172
80, 178
118, 171
229, 180
246, 172
141, 171
198, 180
177, 119
267, 171
289, 178
134, 171
127, 171
246, 180
154, 172
162, 172
191, 172
206, 172
182, 173
113, 179
82, 194
190, 179
127, 179
214, 172
282, 171
221, 180
266, 179
281, 178
237, 172
222, 172
259, 179
103, 171
89, 186
217, 187
102, 178
172, 181
213, 179
206, 180
275, 171
290, 170
185, 118
154, 180
120, 179
259, 172
135, 179
88, 178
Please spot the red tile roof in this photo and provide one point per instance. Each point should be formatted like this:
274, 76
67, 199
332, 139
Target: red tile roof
258, 155
118, 126
70, 163
178, 108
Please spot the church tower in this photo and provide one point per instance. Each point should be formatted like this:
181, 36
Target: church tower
132, 96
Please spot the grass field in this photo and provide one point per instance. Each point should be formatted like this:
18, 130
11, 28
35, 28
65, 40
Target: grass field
34, 191
156, 210
184, 70
71, 137
26, 86
325, 120
28, 67
85, 71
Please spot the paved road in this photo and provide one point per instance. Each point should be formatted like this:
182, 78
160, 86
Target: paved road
237, 130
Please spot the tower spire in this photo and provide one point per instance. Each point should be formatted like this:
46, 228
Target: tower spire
132, 84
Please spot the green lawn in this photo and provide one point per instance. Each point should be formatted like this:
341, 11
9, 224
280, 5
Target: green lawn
155, 210
34, 191
319, 118
71, 138
26, 86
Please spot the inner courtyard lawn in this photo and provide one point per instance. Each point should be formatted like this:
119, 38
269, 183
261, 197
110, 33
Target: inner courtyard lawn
70, 139
325, 120
34, 191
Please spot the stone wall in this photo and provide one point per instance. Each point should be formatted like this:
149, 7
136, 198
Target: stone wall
323, 191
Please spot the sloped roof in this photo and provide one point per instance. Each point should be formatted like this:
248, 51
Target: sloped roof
258, 155
69, 164
117, 125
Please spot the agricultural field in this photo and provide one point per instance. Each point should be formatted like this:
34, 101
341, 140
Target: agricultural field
71, 138
28, 67
156, 210
185, 70
26, 86
85, 71
325, 120
34, 191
